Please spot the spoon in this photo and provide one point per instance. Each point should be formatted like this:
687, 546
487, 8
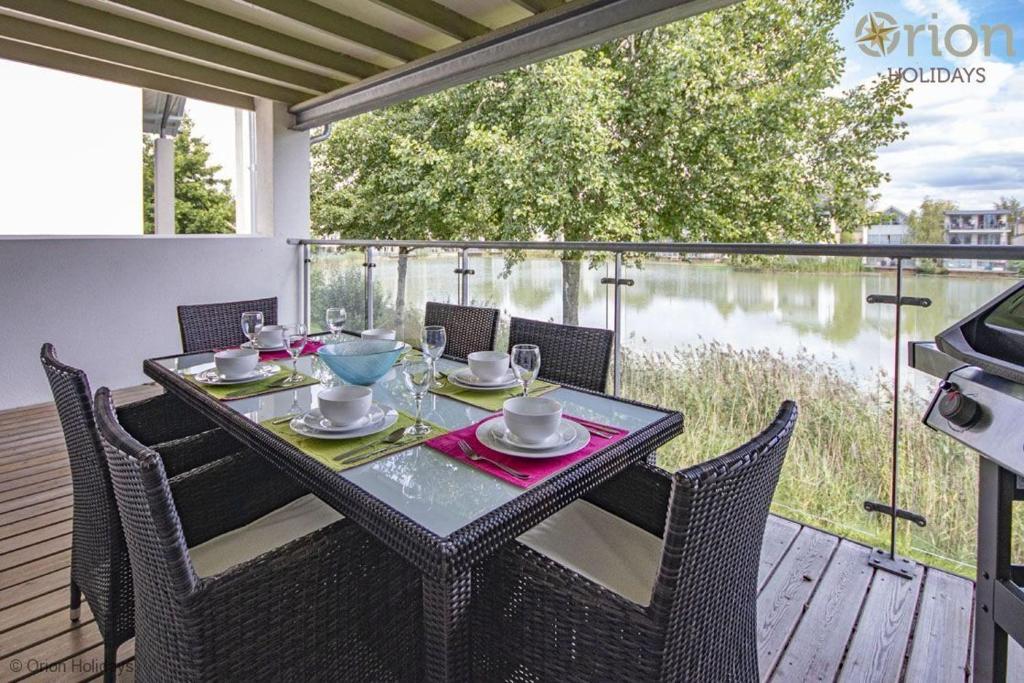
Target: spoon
393, 437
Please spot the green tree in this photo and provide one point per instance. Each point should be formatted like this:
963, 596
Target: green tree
728, 127
203, 203
928, 226
1016, 209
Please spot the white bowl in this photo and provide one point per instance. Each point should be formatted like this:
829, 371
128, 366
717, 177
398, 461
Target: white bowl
271, 336
532, 420
378, 333
236, 363
346, 404
490, 366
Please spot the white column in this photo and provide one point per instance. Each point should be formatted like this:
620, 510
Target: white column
281, 206
163, 186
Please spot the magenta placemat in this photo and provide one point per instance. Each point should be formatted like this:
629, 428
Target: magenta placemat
311, 346
537, 469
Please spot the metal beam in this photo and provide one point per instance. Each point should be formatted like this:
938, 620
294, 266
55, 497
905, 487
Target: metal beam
99, 21
97, 48
318, 16
570, 27
225, 25
437, 16
83, 66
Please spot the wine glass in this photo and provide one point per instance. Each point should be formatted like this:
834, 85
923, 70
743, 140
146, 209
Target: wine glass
296, 337
432, 343
252, 323
336, 318
526, 364
418, 378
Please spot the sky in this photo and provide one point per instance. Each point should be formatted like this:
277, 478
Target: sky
966, 140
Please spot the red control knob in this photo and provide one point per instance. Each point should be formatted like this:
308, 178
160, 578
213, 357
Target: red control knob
959, 409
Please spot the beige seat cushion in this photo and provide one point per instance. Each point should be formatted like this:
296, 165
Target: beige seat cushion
602, 547
296, 519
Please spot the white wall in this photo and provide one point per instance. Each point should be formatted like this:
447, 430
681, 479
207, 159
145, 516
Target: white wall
107, 303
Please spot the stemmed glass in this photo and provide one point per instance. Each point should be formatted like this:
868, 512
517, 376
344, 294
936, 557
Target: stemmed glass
336, 318
418, 378
526, 364
252, 323
295, 341
432, 343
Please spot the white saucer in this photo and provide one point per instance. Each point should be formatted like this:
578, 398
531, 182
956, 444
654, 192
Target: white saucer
389, 418
248, 345
570, 438
467, 380
317, 422
211, 377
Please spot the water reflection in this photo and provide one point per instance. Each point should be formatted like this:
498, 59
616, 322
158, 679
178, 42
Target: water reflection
678, 304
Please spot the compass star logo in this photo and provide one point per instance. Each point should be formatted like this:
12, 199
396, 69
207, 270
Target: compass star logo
877, 34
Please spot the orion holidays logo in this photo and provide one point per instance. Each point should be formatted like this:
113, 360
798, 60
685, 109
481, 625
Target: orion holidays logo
879, 34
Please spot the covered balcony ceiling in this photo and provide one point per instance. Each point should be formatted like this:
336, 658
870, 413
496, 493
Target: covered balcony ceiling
328, 59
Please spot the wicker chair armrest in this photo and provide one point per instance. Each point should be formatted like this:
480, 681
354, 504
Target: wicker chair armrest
302, 610
189, 452
161, 418
640, 495
228, 493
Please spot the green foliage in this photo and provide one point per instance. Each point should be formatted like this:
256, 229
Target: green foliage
727, 126
927, 225
341, 287
1016, 209
203, 203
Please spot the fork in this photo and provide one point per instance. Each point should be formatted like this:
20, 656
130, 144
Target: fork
468, 451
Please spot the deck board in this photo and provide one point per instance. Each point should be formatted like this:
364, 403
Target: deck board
822, 614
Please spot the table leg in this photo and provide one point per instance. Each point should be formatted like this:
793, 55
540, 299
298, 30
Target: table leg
446, 627
995, 500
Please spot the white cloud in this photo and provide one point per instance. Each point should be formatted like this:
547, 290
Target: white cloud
965, 142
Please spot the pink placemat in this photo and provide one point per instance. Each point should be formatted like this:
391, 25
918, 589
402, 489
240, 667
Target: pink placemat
311, 346
537, 469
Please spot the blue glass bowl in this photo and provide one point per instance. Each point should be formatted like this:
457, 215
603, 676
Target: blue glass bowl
361, 362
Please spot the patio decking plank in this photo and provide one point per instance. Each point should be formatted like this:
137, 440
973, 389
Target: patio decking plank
817, 647
879, 644
809, 582
942, 637
781, 604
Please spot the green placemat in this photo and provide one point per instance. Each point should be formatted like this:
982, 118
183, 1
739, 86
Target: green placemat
490, 400
264, 386
327, 450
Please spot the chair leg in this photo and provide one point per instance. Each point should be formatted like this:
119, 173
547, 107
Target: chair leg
76, 601
109, 663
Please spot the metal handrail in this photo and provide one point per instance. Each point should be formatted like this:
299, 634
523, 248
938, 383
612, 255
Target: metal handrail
906, 251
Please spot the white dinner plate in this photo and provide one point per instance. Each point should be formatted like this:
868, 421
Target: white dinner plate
316, 421
279, 347
211, 377
390, 418
465, 379
572, 436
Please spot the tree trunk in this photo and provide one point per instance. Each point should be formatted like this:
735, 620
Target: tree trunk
571, 291
403, 269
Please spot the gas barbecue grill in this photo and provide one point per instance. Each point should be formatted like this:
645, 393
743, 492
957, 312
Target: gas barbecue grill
980, 403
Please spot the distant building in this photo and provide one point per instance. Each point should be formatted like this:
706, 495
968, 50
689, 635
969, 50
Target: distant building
891, 228
981, 227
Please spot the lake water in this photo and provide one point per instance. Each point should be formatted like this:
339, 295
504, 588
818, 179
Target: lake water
678, 304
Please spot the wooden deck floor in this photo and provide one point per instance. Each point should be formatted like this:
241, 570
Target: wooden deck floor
823, 614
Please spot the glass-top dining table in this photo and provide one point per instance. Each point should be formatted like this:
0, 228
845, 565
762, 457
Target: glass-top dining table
440, 514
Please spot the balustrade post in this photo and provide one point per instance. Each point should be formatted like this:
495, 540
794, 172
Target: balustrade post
369, 265
305, 260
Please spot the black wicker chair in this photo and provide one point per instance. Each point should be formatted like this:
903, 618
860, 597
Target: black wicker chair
576, 356
467, 328
203, 480
654, 578
308, 597
211, 326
